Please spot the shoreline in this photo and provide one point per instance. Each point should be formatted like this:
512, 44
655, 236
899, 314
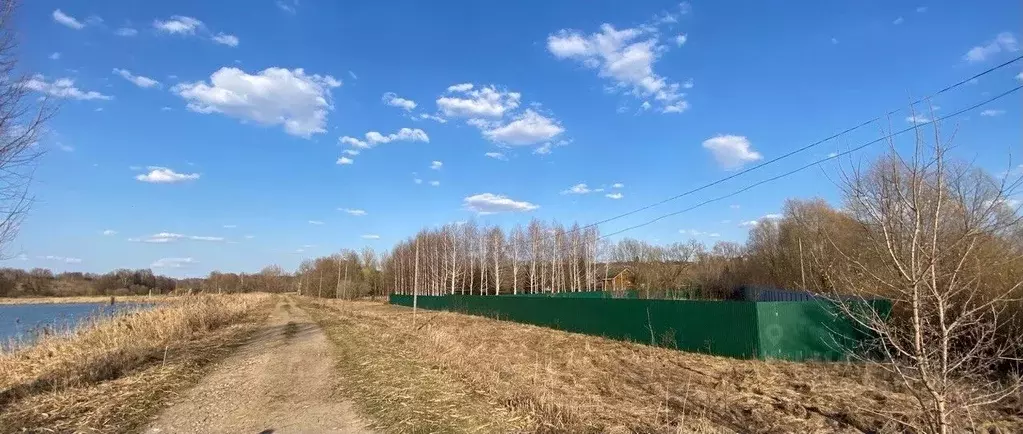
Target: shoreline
85, 299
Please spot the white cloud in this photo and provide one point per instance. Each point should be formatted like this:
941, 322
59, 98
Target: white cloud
55, 56
249, 237
159, 238
617, 185
731, 152
528, 128
898, 21
352, 152
751, 223
832, 154
463, 87
67, 20
1019, 76
615, 196
476, 102
921, 9
138, 80
371, 237
289, 6
172, 262
834, 41
230, 226
354, 212
109, 232
225, 39
315, 222
63, 88
626, 57
205, 238
66, 260
374, 138
180, 25
436, 165
917, 119
345, 161
748, 223
489, 203
696, 233
992, 112
580, 188
434, 183
417, 180
681, 39
735, 206
274, 96
393, 100
126, 31
163, 175
65, 148
496, 156
434, 118
772, 216
1004, 41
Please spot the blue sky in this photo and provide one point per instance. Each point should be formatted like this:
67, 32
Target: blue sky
197, 135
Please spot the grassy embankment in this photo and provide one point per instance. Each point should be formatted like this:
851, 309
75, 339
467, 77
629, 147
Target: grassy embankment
113, 375
459, 373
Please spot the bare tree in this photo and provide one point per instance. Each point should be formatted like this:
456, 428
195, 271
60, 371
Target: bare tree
22, 118
936, 240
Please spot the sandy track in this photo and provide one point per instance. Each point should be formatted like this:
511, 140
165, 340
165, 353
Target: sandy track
282, 381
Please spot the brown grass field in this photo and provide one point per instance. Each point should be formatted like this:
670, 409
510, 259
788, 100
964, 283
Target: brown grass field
113, 375
459, 373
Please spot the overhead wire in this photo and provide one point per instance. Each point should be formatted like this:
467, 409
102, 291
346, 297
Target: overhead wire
818, 162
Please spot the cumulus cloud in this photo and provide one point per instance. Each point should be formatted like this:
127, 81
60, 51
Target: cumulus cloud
225, 39
580, 188
434, 183
371, 237
436, 165
917, 119
230, 226
489, 203
109, 232
898, 21
496, 156
529, 128
55, 56
289, 6
138, 80
625, 57
274, 96
354, 212
315, 222
469, 101
344, 161
374, 138
697, 233
617, 185
168, 237
731, 152
67, 20
126, 31
172, 262
681, 39
615, 196
766, 217
163, 175
393, 100
992, 112
63, 88
1004, 41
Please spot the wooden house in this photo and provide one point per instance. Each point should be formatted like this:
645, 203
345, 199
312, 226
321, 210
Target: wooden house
615, 278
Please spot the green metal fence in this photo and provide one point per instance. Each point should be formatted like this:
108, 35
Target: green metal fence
802, 330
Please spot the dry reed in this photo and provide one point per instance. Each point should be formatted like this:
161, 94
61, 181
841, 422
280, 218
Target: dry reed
111, 375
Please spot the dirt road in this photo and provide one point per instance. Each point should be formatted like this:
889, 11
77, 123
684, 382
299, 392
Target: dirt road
280, 382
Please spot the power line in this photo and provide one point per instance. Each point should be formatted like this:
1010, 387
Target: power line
817, 162
798, 150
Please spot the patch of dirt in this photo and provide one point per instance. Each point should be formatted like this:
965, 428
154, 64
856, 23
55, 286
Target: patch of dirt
280, 382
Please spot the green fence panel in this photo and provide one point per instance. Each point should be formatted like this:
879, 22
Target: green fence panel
797, 330
814, 330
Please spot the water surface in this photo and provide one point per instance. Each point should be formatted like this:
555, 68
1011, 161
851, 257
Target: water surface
20, 324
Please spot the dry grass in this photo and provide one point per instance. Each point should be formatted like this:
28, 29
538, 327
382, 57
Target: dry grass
551, 381
112, 375
87, 299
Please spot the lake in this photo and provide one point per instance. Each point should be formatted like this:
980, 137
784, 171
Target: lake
19, 323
